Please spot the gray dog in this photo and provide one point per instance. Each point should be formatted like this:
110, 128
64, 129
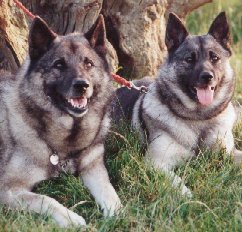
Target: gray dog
188, 107
54, 118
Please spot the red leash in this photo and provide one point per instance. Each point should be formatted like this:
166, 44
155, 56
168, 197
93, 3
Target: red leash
129, 84
120, 80
23, 8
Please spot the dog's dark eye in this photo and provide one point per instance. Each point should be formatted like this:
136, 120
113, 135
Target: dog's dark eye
88, 63
213, 57
191, 59
59, 64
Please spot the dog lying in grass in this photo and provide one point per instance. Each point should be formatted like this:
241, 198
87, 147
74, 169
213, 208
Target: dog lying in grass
54, 118
188, 107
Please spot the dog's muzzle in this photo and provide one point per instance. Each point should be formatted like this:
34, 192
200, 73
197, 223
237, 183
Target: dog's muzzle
76, 102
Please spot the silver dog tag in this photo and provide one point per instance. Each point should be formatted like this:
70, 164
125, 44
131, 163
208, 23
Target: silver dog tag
54, 159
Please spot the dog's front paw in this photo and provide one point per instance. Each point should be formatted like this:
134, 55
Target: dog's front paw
69, 219
112, 208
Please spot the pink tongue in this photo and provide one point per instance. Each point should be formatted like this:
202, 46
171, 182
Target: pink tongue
205, 96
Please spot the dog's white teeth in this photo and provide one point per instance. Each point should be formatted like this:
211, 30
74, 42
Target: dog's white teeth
78, 103
72, 102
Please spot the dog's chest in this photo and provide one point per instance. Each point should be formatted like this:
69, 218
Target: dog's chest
79, 135
189, 134
159, 119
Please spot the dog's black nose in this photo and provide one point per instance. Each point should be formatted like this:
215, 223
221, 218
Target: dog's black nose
80, 85
206, 76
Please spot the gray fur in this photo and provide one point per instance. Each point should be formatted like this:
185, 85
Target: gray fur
37, 121
173, 119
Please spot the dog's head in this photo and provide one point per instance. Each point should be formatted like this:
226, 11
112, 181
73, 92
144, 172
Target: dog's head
201, 63
66, 71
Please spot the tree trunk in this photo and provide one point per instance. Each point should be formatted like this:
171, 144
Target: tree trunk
13, 36
66, 16
135, 28
137, 31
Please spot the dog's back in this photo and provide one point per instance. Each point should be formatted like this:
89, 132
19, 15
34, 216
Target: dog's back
125, 99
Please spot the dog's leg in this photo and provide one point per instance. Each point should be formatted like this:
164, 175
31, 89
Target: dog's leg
220, 138
23, 199
165, 154
95, 177
176, 181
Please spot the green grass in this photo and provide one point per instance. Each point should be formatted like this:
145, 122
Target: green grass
150, 203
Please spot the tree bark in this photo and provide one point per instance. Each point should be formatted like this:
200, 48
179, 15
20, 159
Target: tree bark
135, 28
66, 16
137, 31
13, 36
183, 7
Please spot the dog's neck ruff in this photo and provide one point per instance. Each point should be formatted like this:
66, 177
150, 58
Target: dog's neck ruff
199, 113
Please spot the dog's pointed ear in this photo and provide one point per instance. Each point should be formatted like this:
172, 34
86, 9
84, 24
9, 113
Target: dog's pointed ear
97, 35
176, 33
220, 31
40, 38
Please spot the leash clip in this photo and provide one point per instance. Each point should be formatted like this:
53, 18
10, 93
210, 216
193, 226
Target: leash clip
142, 89
129, 84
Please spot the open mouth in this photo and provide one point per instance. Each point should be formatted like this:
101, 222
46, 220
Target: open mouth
76, 105
205, 95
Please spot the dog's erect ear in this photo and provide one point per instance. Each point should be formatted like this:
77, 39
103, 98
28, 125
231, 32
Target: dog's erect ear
97, 35
40, 38
220, 31
175, 33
